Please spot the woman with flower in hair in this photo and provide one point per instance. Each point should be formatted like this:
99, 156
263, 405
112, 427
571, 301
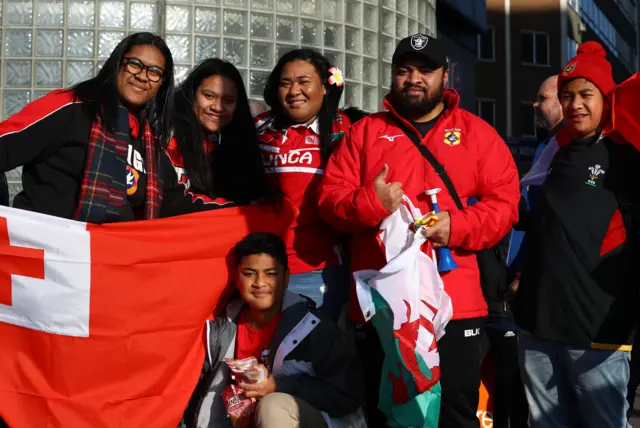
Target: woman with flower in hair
297, 137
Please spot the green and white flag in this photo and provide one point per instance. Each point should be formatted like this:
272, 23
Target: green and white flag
407, 304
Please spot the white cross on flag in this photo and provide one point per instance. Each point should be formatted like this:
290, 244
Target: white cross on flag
102, 326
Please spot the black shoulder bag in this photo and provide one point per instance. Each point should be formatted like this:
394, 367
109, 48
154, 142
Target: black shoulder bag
493, 273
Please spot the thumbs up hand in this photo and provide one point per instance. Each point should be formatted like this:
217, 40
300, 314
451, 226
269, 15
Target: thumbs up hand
390, 194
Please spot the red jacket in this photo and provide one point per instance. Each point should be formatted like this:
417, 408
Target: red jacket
292, 157
479, 164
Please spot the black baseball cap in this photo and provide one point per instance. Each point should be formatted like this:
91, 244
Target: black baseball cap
421, 45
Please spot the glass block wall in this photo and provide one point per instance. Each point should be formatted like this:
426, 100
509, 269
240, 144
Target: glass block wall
48, 44
354, 34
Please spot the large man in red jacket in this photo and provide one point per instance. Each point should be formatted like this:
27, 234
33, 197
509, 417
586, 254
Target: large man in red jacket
377, 163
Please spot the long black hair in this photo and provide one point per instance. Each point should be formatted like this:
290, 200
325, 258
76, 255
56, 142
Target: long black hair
100, 94
331, 101
235, 170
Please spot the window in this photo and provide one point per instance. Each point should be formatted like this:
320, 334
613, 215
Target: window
486, 45
542, 49
535, 48
612, 32
527, 47
527, 120
487, 111
588, 8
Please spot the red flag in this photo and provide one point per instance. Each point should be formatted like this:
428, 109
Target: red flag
102, 326
624, 124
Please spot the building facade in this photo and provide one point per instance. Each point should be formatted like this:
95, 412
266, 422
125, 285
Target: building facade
529, 40
49, 44
459, 23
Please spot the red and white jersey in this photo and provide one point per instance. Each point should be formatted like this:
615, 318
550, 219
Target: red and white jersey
292, 158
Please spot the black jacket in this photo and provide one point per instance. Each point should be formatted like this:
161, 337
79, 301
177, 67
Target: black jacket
579, 285
317, 365
50, 138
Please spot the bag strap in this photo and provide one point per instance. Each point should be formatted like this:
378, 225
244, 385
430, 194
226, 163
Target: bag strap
439, 168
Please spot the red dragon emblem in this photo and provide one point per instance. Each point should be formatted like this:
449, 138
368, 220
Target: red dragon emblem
407, 336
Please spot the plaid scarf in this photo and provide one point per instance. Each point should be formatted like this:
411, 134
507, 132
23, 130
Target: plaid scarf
103, 190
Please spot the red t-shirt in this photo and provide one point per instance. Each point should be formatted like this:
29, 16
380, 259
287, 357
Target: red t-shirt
255, 343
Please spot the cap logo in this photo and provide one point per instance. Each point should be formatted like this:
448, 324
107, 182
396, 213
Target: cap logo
419, 41
569, 69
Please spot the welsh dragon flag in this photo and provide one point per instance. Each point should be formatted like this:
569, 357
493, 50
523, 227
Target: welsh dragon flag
102, 326
407, 304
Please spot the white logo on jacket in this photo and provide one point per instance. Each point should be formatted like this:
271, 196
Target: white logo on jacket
312, 140
472, 332
135, 159
294, 157
391, 138
130, 179
594, 173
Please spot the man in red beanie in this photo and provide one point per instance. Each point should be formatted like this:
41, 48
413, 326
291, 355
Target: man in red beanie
578, 290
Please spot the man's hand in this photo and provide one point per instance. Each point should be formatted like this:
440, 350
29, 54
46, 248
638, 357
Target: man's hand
440, 232
390, 194
259, 390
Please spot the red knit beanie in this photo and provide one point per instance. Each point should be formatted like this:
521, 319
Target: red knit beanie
590, 63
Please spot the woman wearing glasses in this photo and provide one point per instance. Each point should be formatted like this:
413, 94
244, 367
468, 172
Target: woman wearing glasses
91, 152
214, 149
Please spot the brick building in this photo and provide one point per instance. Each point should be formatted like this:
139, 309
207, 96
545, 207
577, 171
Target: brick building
529, 40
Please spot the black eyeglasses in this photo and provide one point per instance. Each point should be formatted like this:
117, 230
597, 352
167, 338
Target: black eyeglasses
135, 66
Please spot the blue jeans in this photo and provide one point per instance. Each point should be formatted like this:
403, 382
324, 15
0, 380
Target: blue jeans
329, 288
568, 387
634, 376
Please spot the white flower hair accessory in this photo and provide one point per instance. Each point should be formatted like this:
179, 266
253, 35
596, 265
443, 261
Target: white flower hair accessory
336, 77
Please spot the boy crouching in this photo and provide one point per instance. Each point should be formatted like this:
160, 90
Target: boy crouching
314, 380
